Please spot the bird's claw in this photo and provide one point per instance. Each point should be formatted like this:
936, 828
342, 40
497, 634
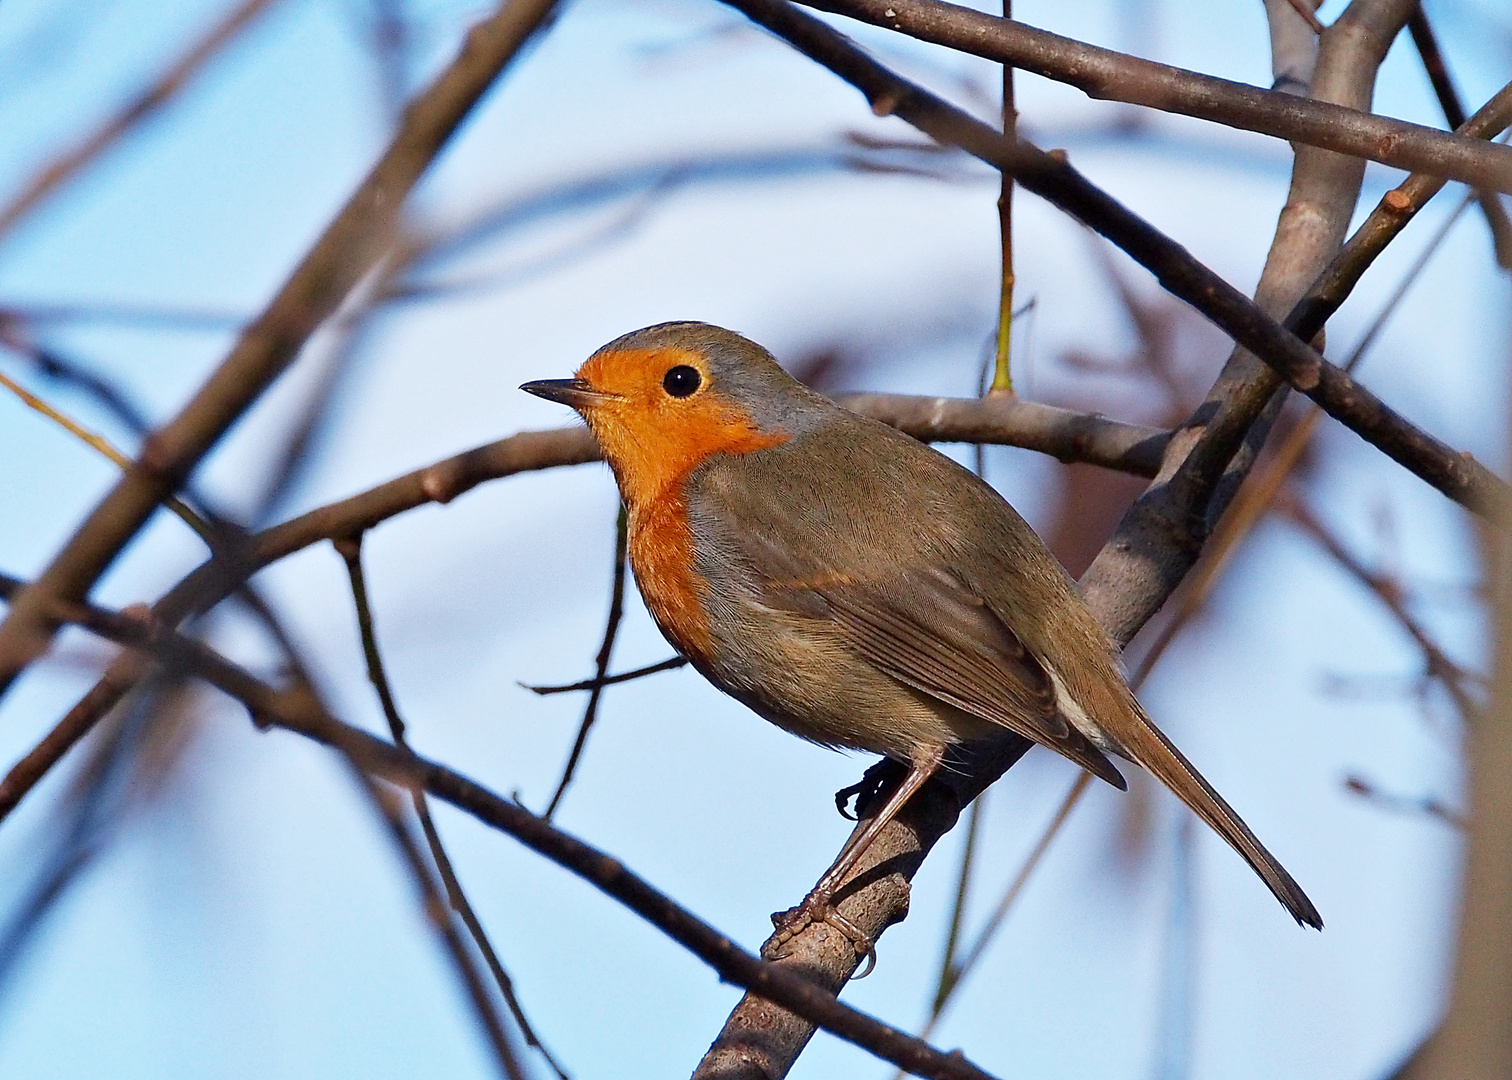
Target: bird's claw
814, 909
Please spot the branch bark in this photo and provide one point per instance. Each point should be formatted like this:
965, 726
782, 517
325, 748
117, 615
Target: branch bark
1103, 73
1139, 568
350, 246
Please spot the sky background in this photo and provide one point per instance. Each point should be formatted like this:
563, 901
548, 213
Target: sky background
661, 160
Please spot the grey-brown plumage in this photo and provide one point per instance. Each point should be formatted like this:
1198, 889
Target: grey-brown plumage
862, 590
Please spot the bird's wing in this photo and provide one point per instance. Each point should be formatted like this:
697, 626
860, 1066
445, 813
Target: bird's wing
930, 632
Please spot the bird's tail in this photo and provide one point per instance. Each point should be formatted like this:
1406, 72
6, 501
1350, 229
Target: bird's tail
1152, 751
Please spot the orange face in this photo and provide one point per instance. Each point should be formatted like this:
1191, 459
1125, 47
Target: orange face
657, 416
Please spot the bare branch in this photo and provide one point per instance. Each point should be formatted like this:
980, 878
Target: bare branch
670, 664
347, 250
1219, 444
1405, 804
434, 907
1103, 73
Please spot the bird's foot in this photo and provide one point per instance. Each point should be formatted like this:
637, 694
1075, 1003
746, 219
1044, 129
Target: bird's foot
816, 908
866, 789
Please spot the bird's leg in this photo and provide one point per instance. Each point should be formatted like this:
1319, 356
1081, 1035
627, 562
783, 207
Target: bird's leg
817, 906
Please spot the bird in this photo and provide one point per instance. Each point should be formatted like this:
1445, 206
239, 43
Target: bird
856, 587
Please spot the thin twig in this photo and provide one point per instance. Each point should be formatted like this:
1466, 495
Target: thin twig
1002, 376
54, 366
1439, 665
350, 550
1405, 804
1310, 17
949, 972
107, 450
953, 976
434, 906
101, 796
670, 664
601, 663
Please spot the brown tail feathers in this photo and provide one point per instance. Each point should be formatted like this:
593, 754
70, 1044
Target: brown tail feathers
1155, 754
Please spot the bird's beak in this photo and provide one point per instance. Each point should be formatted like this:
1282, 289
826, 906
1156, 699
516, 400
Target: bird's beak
574, 392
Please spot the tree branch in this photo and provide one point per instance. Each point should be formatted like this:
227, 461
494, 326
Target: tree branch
1051, 177
1103, 73
601, 662
350, 246
759, 1039
1219, 444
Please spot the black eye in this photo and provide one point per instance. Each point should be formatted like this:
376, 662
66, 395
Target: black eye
682, 381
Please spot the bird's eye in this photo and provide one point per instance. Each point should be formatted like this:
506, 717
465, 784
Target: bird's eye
682, 380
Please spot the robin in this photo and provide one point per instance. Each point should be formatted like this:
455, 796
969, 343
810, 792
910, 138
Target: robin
856, 587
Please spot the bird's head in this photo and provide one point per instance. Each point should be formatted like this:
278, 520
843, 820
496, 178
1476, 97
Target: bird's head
663, 399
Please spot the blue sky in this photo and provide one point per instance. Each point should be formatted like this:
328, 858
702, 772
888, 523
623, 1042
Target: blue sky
248, 919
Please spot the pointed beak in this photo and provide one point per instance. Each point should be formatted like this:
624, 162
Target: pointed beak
574, 392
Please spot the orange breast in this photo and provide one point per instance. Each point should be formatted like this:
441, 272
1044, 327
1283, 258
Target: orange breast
661, 553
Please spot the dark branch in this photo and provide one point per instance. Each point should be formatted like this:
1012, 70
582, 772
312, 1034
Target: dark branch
1427, 45
1462, 478
1103, 73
